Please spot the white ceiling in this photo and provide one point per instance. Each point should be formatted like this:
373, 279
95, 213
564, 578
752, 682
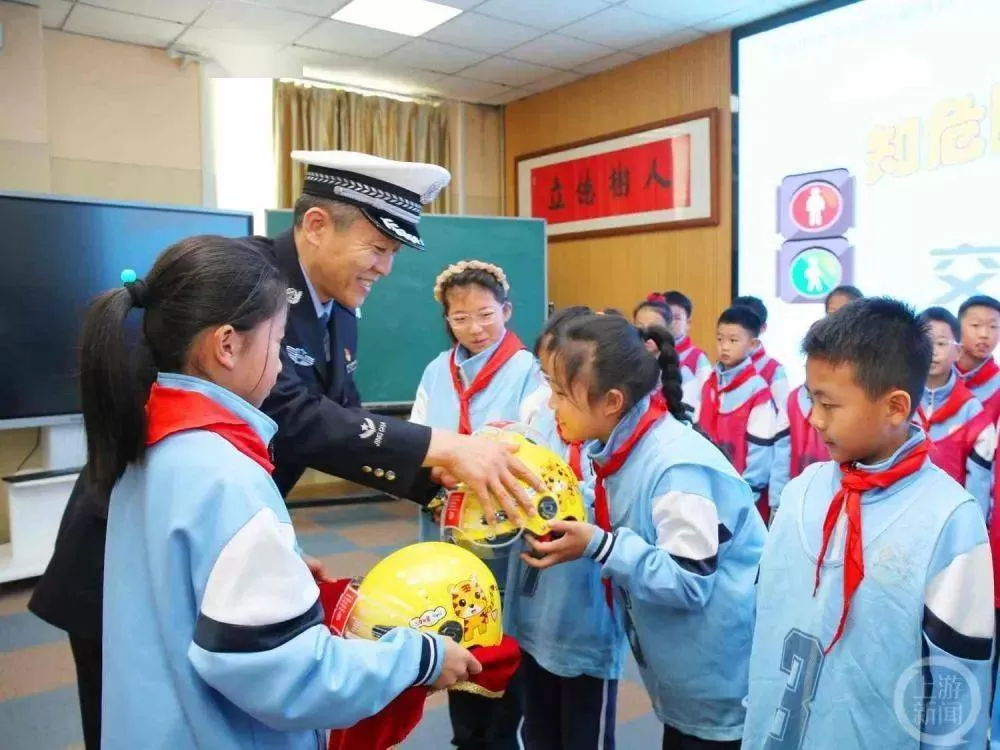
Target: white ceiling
495, 52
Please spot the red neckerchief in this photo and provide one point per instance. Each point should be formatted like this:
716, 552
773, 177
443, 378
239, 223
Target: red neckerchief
853, 483
758, 355
955, 401
683, 346
981, 376
710, 397
602, 514
173, 410
509, 346
575, 451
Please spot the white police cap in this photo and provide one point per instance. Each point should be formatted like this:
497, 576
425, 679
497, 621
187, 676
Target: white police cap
389, 193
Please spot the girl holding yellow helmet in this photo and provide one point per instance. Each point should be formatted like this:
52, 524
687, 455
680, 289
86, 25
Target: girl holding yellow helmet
677, 533
484, 377
572, 641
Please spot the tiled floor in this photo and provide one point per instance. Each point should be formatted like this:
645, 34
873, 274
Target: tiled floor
38, 703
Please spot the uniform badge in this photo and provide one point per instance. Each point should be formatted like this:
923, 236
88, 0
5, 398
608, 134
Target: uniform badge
293, 295
347, 354
352, 364
299, 356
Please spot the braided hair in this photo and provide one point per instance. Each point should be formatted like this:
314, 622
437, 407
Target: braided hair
670, 370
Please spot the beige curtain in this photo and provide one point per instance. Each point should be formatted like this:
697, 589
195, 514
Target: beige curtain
310, 118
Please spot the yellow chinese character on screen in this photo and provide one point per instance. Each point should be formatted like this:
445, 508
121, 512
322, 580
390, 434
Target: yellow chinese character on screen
893, 150
954, 133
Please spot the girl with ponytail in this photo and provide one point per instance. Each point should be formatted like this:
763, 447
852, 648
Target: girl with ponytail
675, 531
572, 641
213, 628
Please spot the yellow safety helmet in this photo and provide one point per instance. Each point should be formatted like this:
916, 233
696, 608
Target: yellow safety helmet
464, 523
431, 586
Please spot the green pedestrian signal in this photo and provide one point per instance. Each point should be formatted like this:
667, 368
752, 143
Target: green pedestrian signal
815, 272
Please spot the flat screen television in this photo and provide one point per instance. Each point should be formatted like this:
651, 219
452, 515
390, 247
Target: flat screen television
56, 254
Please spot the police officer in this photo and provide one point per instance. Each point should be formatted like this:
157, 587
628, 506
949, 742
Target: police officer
355, 213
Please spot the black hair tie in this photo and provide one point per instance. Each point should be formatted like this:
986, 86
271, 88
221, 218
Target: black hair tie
138, 291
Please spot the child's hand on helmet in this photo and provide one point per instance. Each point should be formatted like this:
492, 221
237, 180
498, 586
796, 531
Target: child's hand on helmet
570, 540
458, 665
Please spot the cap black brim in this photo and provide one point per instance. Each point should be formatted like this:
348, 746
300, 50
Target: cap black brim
393, 227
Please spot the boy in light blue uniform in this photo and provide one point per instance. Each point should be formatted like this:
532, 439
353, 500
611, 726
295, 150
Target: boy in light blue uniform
683, 540
963, 435
213, 629
979, 316
739, 413
887, 643
572, 642
485, 377
769, 368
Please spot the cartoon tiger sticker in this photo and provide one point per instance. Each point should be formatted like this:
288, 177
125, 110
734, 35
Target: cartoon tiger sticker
473, 607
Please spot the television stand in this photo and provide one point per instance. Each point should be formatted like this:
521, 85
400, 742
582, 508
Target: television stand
36, 500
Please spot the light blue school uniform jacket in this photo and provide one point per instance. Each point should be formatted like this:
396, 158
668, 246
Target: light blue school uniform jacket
560, 615
922, 619
979, 464
683, 556
437, 405
213, 629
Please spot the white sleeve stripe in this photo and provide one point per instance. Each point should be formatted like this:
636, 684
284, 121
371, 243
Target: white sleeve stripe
781, 421
604, 548
428, 660
686, 525
986, 444
961, 595
763, 422
258, 577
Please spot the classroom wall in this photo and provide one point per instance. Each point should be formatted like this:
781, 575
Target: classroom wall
620, 271
82, 116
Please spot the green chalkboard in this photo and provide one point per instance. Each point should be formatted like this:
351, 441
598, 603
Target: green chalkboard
401, 327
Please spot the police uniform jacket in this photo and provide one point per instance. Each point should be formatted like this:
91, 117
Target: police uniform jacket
316, 403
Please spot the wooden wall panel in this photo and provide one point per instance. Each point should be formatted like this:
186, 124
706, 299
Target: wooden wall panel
620, 271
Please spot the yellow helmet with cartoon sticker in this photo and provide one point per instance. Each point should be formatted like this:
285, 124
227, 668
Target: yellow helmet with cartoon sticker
464, 522
431, 586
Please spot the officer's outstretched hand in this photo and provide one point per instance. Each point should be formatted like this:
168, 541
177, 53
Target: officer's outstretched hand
489, 467
458, 665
